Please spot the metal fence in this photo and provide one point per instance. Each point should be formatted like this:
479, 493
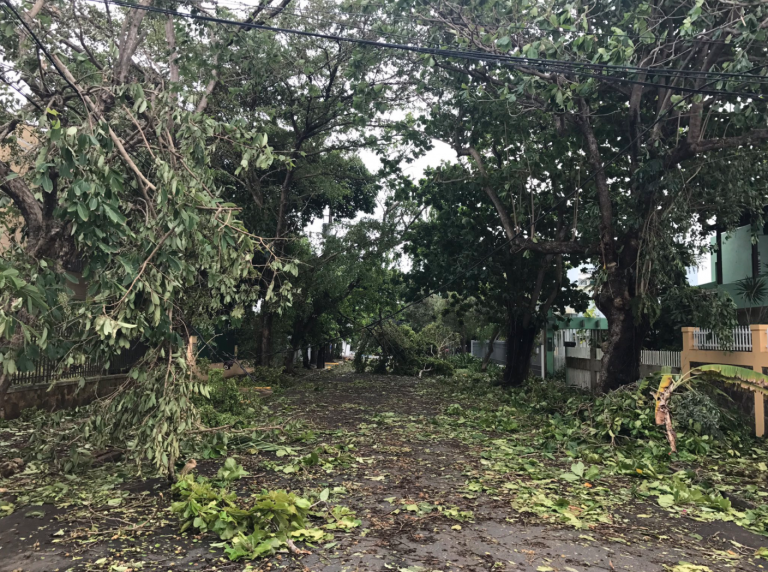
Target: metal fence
46, 370
498, 355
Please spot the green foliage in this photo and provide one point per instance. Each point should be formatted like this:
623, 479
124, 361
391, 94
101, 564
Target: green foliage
685, 306
145, 219
697, 411
437, 367
224, 401
401, 351
231, 471
256, 531
565, 453
255, 527
263, 376
468, 362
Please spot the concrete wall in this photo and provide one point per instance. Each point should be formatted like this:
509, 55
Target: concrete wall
63, 395
756, 360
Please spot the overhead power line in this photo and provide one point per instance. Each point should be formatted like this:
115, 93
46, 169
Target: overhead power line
544, 65
510, 27
443, 286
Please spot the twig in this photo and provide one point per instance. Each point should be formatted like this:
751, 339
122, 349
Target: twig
295, 549
247, 430
144, 266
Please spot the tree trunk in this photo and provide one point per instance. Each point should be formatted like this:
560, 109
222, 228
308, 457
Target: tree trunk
321, 357
621, 350
305, 358
266, 338
521, 337
489, 351
5, 385
290, 357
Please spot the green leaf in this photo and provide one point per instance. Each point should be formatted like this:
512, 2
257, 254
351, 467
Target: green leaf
737, 375
82, 211
666, 500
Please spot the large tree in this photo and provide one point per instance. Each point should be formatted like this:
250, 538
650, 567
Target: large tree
324, 100
108, 170
643, 135
452, 249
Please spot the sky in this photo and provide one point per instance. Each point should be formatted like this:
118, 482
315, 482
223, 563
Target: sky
441, 152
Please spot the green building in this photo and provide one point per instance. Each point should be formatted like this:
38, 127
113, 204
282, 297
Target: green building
736, 257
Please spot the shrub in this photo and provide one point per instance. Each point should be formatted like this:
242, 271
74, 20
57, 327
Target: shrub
225, 402
437, 367
263, 376
698, 412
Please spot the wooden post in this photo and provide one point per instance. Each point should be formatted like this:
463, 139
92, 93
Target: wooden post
760, 353
685, 355
759, 414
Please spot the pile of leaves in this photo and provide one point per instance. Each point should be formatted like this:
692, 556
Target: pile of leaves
574, 457
260, 526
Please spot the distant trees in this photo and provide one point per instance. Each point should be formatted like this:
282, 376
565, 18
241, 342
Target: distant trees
462, 248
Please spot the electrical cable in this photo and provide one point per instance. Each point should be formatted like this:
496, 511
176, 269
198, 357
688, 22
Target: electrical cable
443, 286
628, 69
40, 44
535, 63
471, 54
546, 212
514, 27
659, 72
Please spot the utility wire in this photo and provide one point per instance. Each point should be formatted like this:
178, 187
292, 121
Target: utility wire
546, 212
514, 61
510, 27
471, 54
631, 69
40, 44
445, 285
658, 72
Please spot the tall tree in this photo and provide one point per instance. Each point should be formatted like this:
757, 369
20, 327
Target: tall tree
449, 250
324, 99
644, 133
109, 170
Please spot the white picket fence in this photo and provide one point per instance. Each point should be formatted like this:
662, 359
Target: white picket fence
706, 340
661, 358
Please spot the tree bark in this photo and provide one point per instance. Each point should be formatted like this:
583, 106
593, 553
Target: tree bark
5, 385
290, 357
489, 350
621, 350
129, 41
266, 338
521, 336
266, 325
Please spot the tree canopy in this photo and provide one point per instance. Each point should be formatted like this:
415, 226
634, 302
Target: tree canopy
160, 172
